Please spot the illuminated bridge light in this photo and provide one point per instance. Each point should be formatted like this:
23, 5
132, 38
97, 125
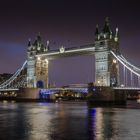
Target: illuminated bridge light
38, 58
47, 61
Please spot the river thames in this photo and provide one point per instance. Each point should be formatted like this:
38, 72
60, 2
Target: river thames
68, 121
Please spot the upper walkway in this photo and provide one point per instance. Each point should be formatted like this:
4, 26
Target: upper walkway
67, 52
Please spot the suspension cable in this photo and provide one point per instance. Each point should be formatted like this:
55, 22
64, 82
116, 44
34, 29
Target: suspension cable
130, 69
123, 59
11, 79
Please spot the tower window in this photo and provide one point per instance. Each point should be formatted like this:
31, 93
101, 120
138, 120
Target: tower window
101, 43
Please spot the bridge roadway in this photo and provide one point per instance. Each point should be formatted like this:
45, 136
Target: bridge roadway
51, 90
9, 89
132, 93
67, 52
84, 89
127, 88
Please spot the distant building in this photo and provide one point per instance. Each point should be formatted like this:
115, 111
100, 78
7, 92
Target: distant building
4, 77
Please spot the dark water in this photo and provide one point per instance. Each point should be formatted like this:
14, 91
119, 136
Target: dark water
68, 121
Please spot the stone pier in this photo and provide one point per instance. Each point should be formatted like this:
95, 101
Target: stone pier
105, 96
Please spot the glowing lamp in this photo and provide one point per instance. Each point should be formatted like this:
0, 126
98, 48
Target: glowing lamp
114, 61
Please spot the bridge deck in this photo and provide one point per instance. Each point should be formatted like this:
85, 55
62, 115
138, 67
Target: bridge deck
127, 88
9, 89
77, 88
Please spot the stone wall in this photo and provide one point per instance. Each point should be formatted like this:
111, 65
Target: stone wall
28, 93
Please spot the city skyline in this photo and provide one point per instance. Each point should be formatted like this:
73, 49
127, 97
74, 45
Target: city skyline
69, 24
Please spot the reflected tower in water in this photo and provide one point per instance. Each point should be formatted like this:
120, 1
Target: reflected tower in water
101, 124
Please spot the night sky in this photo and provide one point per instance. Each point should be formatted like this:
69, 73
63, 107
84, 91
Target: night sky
69, 23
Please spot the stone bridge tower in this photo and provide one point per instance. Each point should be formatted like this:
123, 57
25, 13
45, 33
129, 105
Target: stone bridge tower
37, 67
106, 66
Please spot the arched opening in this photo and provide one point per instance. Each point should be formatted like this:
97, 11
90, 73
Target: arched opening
40, 84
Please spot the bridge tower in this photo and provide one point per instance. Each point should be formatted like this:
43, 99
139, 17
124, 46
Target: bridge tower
37, 67
106, 66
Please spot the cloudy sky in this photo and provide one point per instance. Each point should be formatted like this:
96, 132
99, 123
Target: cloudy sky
69, 23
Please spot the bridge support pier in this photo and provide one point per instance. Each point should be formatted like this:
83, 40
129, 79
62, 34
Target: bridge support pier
105, 96
33, 94
28, 94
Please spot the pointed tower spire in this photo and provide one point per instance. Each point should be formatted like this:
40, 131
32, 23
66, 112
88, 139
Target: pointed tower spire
48, 43
97, 34
107, 20
117, 30
106, 28
29, 42
116, 34
39, 37
97, 30
47, 46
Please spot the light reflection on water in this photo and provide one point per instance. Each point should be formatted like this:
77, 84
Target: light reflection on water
68, 121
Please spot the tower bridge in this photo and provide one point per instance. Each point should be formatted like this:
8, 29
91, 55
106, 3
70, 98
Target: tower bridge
34, 71
106, 67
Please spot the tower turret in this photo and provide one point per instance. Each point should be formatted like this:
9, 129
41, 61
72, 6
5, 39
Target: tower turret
39, 38
97, 30
47, 46
29, 42
38, 45
116, 34
97, 36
